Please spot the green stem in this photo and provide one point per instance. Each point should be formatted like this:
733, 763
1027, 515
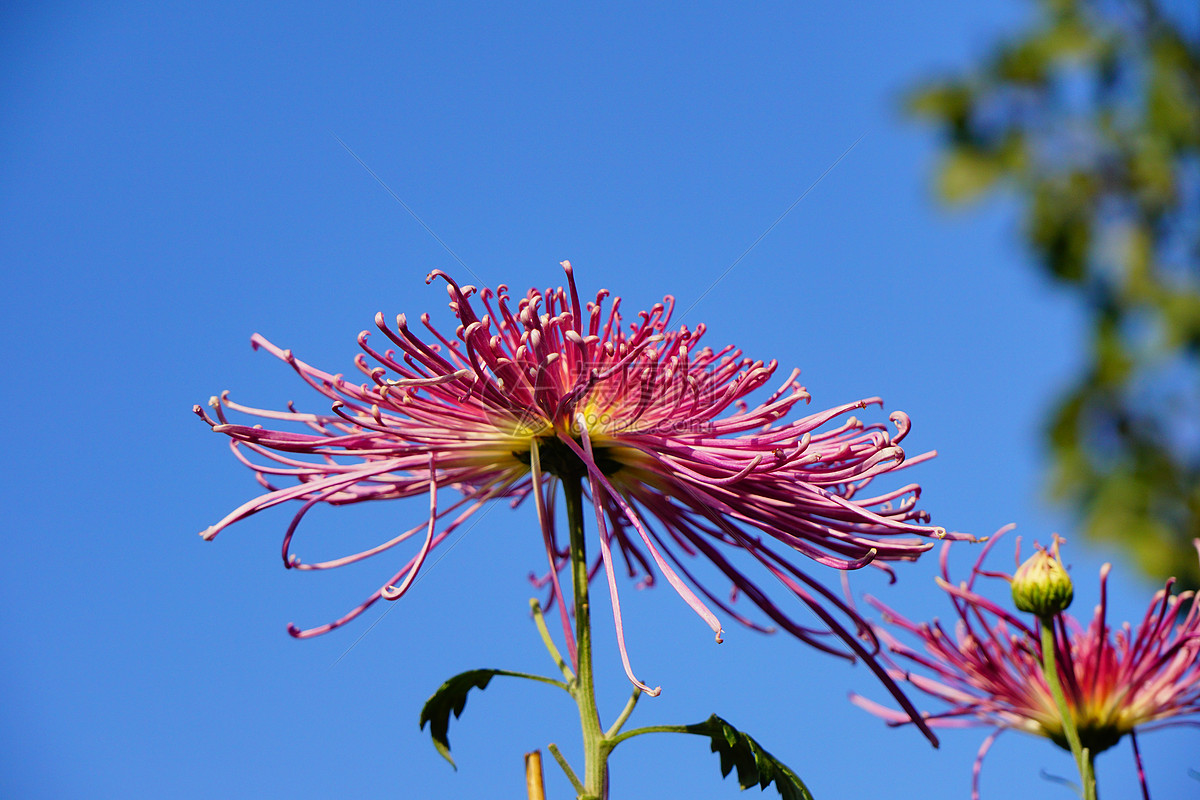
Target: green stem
651, 729
595, 747
566, 768
530, 677
540, 621
1083, 758
624, 715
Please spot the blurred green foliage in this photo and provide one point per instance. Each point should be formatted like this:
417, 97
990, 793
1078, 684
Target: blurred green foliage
1091, 116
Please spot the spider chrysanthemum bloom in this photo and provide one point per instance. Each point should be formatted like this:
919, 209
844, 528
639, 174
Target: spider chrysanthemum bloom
653, 423
989, 671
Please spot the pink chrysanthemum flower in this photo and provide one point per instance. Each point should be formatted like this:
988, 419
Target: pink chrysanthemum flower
675, 461
989, 672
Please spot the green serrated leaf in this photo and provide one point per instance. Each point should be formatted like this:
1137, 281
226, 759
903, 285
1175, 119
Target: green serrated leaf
754, 764
451, 696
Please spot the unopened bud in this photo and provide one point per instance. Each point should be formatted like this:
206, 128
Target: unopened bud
1041, 585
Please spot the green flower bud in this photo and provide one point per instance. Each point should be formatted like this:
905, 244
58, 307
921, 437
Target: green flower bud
1041, 585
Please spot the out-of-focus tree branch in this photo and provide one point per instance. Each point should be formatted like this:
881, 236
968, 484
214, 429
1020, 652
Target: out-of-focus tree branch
1092, 117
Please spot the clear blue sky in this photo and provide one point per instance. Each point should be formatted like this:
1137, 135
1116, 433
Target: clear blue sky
170, 183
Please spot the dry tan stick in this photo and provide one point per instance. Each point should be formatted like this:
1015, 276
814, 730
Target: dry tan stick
533, 776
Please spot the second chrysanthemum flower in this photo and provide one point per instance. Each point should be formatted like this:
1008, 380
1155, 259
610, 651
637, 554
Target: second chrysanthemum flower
989, 670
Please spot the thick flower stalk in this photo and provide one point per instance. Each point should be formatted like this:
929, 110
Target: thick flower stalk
676, 464
989, 671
